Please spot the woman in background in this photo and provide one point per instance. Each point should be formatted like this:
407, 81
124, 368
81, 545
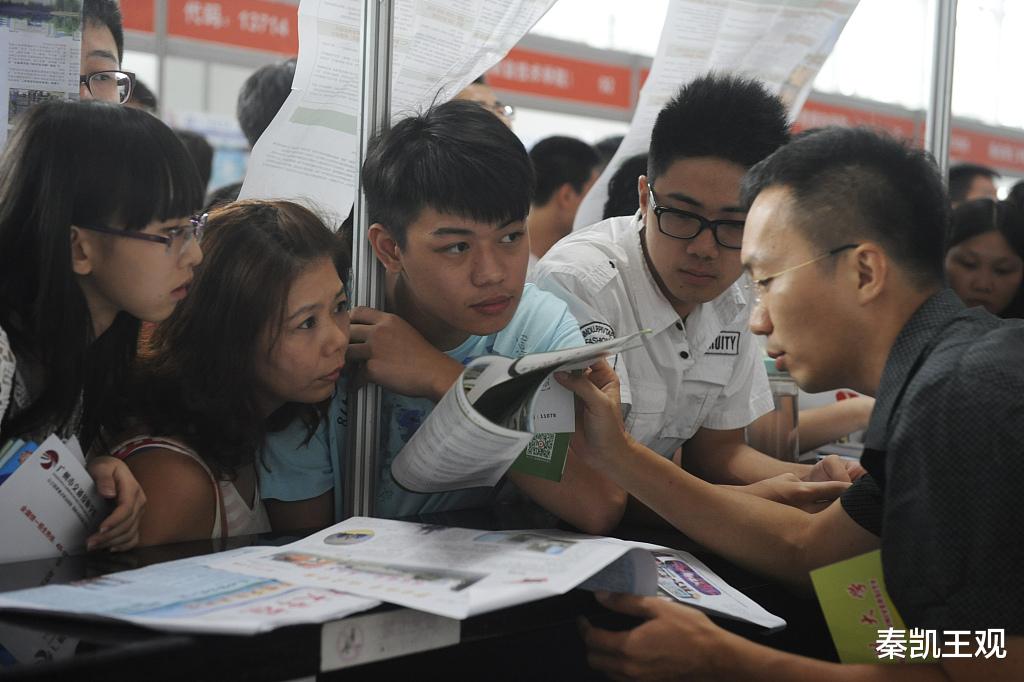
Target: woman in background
95, 235
985, 256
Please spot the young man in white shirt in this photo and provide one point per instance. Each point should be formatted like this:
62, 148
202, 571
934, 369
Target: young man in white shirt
699, 379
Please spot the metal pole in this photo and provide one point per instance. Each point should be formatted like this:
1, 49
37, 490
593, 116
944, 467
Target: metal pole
940, 95
364, 419
160, 27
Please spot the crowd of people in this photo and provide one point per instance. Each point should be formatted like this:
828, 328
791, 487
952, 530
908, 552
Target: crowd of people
839, 248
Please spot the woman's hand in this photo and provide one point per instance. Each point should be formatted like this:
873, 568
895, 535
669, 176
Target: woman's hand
114, 481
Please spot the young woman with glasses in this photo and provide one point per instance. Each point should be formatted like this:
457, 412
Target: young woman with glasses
256, 347
95, 236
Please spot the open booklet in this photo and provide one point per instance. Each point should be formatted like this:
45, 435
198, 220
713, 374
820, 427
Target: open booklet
491, 413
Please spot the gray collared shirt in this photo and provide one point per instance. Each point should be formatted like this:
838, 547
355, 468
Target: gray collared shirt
945, 453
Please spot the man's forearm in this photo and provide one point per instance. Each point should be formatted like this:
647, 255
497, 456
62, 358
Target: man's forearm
736, 464
764, 536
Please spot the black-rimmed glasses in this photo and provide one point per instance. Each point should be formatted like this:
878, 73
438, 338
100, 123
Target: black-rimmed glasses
180, 235
680, 224
109, 86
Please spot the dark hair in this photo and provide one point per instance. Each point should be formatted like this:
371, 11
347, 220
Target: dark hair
480, 80
1016, 196
69, 163
978, 216
623, 198
198, 382
106, 13
725, 117
200, 151
558, 160
962, 175
222, 195
852, 184
607, 146
143, 97
261, 96
456, 158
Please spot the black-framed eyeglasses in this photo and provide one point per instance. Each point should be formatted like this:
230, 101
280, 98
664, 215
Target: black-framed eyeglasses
680, 224
109, 86
181, 235
757, 287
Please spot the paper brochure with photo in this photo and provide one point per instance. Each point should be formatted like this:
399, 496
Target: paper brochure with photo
49, 505
489, 415
453, 572
188, 596
40, 44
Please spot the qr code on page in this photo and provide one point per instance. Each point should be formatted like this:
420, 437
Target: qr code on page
541, 447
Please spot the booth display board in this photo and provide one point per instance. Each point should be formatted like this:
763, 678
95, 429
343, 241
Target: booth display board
780, 42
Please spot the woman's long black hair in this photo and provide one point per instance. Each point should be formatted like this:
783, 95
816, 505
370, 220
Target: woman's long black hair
71, 163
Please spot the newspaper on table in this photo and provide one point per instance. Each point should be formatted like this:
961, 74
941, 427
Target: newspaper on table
452, 572
188, 596
782, 43
355, 565
40, 45
490, 414
49, 505
310, 150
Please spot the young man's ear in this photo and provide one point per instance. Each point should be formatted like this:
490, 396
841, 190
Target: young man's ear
642, 193
83, 252
386, 247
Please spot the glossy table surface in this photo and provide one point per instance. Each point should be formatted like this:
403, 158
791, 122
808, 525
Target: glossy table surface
536, 640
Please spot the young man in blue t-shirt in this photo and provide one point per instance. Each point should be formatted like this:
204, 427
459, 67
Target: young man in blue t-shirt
448, 192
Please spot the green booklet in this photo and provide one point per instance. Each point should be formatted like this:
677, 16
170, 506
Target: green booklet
864, 623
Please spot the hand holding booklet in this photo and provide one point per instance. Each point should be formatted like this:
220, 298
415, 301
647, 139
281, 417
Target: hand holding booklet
491, 413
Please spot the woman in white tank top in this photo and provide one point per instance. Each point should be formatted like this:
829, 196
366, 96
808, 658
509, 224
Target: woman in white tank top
258, 342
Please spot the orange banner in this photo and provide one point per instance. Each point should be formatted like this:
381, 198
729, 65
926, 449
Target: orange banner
541, 73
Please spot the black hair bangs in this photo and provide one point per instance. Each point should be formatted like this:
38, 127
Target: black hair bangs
138, 171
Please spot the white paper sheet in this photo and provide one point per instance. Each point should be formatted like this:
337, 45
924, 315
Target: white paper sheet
309, 151
783, 43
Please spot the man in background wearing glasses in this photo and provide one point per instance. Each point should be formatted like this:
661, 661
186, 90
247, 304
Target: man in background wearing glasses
699, 379
102, 50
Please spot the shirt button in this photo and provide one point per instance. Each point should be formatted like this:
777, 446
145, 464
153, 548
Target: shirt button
679, 326
683, 354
